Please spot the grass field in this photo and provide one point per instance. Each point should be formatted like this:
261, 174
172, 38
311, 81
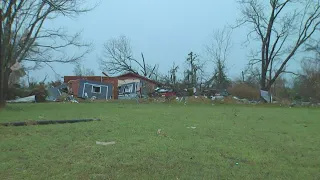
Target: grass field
229, 142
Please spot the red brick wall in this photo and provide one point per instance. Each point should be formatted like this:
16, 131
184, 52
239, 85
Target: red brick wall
74, 85
114, 82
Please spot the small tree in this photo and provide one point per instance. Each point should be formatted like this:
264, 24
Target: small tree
195, 67
80, 70
307, 84
218, 52
173, 74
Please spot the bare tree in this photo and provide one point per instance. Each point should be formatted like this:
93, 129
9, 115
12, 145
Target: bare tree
24, 37
281, 27
195, 67
118, 58
156, 74
218, 51
80, 70
173, 74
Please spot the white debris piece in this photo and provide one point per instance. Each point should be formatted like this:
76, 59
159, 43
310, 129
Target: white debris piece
105, 143
191, 127
24, 100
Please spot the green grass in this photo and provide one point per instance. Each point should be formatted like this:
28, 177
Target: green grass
229, 142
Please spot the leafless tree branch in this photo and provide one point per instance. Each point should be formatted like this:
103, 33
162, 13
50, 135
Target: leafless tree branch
281, 32
118, 58
24, 38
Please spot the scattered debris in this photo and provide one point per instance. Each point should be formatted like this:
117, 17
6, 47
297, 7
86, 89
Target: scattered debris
43, 122
183, 98
161, 134
105, 143
71, 99
54, 93
244, 101
93, 98
267, 96
217, 97
28, 99
192, 127
128, 96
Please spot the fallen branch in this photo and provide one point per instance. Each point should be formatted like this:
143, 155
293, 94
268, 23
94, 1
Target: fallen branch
45, 122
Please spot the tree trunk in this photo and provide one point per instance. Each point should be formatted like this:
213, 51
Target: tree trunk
2, 67
263, 85
2, 98
4, 79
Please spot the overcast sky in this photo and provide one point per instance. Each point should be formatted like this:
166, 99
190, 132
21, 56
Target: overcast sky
164, 30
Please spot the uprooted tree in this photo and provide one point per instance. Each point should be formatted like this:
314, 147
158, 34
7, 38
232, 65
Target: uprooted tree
24, 38
281, 27
118, 58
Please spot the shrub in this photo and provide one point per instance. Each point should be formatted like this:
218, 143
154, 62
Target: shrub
40, 93
243, 90
14, 92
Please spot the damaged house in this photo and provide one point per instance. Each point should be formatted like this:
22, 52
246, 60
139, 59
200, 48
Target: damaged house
104, 87
130, 90
131, 84
55, 92
97, 87
87, 89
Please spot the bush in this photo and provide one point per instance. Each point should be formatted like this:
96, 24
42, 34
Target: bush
40, 92
190, 92
243, 90
14, 92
